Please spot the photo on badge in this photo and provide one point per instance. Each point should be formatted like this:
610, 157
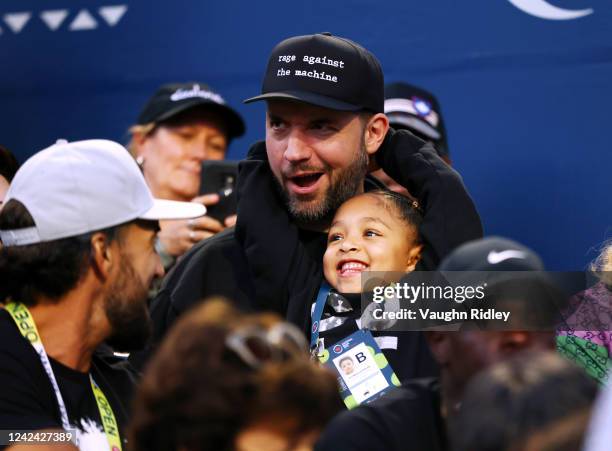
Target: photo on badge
364, 374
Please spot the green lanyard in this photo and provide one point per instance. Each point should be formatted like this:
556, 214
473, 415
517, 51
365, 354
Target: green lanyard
25, 323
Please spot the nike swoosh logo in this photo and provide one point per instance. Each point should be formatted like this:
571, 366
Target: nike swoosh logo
498, 257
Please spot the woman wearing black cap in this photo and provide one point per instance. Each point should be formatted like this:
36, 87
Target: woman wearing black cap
181, 126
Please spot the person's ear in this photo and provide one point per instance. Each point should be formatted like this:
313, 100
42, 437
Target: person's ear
375, 132
138, 139
414, 255
137, 145
102, 255
439, 344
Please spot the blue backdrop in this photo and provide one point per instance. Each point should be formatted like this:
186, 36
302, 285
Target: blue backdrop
525, 98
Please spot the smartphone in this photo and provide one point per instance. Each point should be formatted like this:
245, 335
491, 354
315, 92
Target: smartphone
219, 176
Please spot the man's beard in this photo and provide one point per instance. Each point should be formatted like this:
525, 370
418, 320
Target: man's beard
346, 184
126, 310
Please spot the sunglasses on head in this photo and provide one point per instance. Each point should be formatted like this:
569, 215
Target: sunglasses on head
257, 345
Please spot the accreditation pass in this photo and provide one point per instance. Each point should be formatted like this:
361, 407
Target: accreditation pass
363, 372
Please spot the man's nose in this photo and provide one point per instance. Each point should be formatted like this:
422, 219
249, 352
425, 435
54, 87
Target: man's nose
515, 341
297, 148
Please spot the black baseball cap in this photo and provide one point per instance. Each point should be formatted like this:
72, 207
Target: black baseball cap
492, 254
324, 70
416, 109
493, 261
172, 99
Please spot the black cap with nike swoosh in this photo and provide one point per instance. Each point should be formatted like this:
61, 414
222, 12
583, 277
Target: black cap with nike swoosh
492, 254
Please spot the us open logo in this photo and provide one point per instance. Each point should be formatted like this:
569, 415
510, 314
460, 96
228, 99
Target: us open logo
337, 349
54, 19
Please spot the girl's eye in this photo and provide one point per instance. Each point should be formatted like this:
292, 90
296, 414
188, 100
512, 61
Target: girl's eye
370, 233
334, 237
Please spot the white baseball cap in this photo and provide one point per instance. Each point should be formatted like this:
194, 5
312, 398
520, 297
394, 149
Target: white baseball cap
74, 188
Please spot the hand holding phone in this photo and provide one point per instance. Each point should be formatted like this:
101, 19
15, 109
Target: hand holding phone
219, 177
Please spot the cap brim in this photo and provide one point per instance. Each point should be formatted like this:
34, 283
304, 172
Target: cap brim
413, 122
235, 124
171, 209
307, 97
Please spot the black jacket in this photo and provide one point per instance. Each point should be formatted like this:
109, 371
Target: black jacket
406, 419
260, 271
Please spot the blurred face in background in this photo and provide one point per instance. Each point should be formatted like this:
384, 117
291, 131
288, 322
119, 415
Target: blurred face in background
267, 439
173, 152
463, 354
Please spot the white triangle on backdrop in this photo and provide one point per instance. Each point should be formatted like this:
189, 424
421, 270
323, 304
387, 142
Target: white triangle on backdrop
16, 21
113, 14
83, 21
54, 18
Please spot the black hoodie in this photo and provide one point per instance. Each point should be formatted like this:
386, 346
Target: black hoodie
260, 269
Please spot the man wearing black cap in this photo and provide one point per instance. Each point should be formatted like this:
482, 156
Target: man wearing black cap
325, 128
417, 110
182, 125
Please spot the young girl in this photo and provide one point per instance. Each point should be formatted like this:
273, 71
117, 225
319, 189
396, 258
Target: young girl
374, 231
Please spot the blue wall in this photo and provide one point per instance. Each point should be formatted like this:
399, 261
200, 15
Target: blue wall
525, 99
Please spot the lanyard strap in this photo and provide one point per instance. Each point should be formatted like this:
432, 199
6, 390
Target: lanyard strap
107, 416
317, 313
25, 323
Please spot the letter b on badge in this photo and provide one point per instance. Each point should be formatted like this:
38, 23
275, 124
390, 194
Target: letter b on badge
360, 356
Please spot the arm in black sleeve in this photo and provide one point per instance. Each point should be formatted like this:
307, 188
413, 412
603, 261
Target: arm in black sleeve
450, 216
350, 431
264, 228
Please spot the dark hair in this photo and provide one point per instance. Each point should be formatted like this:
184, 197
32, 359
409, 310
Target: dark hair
197, 394
406, 208
507, 404
8, 164
288, 393
49, 269
193, 390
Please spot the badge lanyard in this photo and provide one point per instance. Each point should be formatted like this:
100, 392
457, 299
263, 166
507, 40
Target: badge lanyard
317, 313
25, 323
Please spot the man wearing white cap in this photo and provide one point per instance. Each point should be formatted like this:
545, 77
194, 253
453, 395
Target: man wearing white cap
78, 231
